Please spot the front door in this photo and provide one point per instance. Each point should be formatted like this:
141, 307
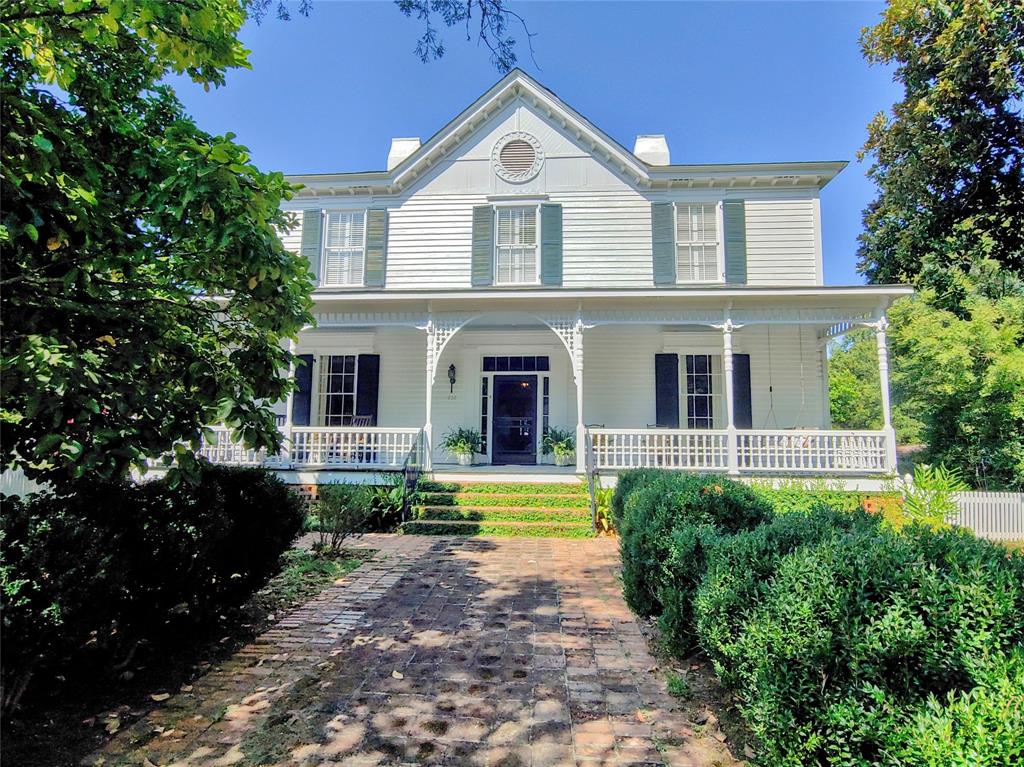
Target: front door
515, 418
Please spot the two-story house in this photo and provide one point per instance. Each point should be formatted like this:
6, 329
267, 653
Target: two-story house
521, 270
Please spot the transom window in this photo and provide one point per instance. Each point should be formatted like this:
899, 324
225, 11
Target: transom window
337, 389
516, 245
515, 364
344, 247
697, 242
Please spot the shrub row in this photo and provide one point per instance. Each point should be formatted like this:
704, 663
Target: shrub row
106, 564
846, 643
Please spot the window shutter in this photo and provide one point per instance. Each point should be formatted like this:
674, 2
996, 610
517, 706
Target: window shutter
663, 243
551, 244
312, 230
742, 412
734, 213
376, 247
302, 397
483, 245
666, 390
368, 385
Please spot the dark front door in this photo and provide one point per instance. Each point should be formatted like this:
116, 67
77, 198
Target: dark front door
515, 418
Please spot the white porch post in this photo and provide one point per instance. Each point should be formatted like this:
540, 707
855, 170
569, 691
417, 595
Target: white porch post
428, 426
286, 429
883, 378
577, 371
730, 415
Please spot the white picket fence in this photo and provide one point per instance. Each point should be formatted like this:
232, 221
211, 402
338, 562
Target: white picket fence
996, 516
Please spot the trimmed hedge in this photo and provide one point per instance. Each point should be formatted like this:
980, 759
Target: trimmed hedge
106, 564
845, 642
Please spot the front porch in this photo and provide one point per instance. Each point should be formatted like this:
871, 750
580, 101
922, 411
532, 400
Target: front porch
731, 381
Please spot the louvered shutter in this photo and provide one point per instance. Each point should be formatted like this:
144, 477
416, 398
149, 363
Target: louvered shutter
734, 213
666, 390
376, 247
482, 267
551, 244
367, 386
742, 412
312, 229
302, 397
663, 243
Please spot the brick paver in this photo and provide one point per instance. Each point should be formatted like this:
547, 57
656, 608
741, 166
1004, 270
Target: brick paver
438, 651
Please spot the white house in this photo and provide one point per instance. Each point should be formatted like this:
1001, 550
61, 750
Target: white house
521, 270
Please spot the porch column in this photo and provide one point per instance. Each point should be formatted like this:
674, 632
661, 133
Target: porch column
577, 371
428, 426
730, 415
286, 429
883, 378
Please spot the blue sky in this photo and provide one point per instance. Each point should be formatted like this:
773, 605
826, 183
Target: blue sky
725, 82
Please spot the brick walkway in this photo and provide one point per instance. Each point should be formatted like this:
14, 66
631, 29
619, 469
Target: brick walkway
438, 651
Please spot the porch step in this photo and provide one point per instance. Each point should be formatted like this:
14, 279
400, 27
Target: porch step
502, 514
492, 488
535, 500
520, 509
502, 529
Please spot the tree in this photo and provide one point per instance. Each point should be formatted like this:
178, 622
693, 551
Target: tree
966, 375
949, 160
145, 290
949, 218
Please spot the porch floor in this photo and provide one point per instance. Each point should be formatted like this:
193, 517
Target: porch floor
505, 473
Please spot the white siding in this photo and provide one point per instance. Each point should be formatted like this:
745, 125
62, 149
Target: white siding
781, 242
606, 218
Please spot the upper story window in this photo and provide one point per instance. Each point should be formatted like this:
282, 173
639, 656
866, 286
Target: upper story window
344, 247
516, 246
697, 242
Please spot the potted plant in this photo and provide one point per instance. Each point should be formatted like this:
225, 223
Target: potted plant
561, 443
463, 444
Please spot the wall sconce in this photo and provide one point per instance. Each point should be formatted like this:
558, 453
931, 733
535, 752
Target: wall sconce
451, 378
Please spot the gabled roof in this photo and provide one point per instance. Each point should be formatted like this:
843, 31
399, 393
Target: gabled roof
518, 84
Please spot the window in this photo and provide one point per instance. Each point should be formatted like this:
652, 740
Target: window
516, 246
546, 407
697, 242
515, 364
337, 390
703, 391
484, 400
344, 245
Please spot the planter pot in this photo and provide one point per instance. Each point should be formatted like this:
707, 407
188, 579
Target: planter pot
563, 460
465, 459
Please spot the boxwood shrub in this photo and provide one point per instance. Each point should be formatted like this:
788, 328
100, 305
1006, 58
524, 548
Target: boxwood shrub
846, 642
105, 564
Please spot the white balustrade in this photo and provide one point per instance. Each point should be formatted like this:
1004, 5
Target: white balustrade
319, 446
781, 451
660, 449
805, 450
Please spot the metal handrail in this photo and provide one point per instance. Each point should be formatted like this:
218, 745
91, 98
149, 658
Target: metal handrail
591, 473
412, 468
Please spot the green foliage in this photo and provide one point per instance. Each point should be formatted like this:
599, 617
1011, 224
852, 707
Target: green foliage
654, 504
145, 290
341, 511
854, 389
461, 441
560, 442
965, 374
603, 497
103, 564
678, 686
929, 500
948, 159
386, 504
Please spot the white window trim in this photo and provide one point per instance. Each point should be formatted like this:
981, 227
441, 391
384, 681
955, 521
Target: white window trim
719, 249
323, 249
494, 255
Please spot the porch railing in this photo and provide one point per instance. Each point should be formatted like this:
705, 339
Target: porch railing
660, 448
757, 451
796, 451
320, 446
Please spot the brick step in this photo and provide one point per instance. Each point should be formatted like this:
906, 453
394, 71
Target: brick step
526, 488
508, 500
502, 529
502, 514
